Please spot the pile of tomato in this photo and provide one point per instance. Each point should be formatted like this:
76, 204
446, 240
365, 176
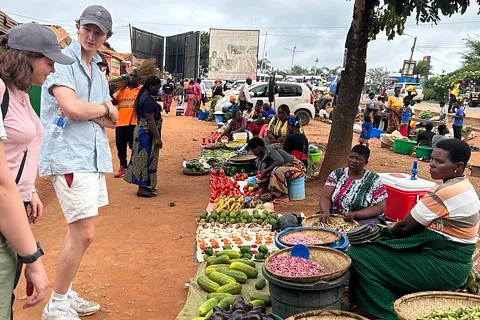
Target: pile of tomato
221, 185
240, 176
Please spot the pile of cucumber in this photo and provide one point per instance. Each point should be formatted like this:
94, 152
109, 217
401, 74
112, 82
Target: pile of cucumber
223, 280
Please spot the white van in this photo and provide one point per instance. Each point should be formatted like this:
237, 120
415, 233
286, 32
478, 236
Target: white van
297, 96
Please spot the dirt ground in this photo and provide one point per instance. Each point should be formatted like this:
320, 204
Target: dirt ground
141, 258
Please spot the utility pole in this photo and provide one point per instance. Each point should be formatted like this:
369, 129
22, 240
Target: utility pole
413, 48
316, 65
293, 53
264, 50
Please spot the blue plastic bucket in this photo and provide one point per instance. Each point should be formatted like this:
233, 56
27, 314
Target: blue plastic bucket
219, 118
376, 133
202, 115
296, 189
341, 244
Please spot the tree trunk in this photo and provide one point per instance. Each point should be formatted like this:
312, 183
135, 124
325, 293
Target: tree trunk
350, 89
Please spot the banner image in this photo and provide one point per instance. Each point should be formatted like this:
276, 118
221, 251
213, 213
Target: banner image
233, 54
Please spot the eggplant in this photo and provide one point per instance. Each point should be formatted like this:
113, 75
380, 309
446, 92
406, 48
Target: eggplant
237, 315
239, 304
261, 309
219, 316
252, 315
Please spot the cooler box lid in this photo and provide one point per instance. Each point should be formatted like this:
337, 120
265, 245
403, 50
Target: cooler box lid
403, 182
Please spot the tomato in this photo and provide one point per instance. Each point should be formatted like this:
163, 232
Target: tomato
222, 173
214, 172
257, 196
236, 177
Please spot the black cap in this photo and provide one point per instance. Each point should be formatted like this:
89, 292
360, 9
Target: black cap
37, 38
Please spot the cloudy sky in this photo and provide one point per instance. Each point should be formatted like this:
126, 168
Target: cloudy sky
318, 28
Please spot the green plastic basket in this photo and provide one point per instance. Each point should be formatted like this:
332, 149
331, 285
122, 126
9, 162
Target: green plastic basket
403, 146
424, 152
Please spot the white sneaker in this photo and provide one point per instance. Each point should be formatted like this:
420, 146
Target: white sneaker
82, 306
166, 114
63, 312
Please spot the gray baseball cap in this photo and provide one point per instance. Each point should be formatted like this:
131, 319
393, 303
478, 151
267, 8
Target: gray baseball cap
98, 16
34, 37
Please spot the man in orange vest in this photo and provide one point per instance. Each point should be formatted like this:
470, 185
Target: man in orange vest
127, 119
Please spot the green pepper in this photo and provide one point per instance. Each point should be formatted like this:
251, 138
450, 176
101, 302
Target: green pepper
259, 256
247, 255
263, 249
208, 251
227, 247
245, 249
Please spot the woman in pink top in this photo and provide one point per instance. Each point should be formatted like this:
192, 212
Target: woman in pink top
27, 56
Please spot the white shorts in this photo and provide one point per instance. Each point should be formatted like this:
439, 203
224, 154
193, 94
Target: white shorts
80, 194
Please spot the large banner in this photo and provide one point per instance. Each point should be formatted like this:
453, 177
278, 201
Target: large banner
146, 45
233, 54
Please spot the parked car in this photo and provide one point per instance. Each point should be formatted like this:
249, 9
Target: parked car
403, 93
474, 99
297, 96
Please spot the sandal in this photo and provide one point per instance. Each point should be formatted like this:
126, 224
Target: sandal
280, 200
146, 194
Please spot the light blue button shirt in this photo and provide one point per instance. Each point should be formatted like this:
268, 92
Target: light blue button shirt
83, 145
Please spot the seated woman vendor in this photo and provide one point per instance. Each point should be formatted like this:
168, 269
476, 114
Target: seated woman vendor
275, 167
354, 192
430, 249
296, 143
237, 124
278, 127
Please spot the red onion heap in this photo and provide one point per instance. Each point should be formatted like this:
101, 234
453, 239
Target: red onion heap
294, 238
288, 266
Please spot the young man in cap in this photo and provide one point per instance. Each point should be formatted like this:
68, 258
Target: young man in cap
76, 109
124, 99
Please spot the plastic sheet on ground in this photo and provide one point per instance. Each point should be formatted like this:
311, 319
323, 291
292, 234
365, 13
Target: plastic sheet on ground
196, 295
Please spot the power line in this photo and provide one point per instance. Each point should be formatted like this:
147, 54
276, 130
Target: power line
443, 62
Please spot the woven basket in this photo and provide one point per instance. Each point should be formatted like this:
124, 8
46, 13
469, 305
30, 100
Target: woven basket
418, 305
326, 315
334, 262
326, 236
314, 221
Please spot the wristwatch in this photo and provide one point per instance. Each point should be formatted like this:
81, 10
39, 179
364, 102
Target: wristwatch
33, 257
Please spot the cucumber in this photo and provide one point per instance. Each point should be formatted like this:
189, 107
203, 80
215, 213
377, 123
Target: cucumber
232, 254
258, 303
260, 296
251, 263
218, 296
260, 284
216, 267
249, 271
221, 279
223, 259
207, 306
224, 304
233, 288
208, 285
239, 276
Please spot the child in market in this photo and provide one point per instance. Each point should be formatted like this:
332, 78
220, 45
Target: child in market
366, 131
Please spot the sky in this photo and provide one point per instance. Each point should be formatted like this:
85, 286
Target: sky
317, 28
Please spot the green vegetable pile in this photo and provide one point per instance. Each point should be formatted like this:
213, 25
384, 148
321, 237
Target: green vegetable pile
454, 314
194, 166
426, 115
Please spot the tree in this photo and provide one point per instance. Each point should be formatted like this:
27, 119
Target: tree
422, 68
329, 72
473, 53
264, 64
298, 70
204, 50
375, 76
369, 19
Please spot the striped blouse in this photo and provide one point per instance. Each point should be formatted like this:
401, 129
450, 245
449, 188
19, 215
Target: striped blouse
452, 209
